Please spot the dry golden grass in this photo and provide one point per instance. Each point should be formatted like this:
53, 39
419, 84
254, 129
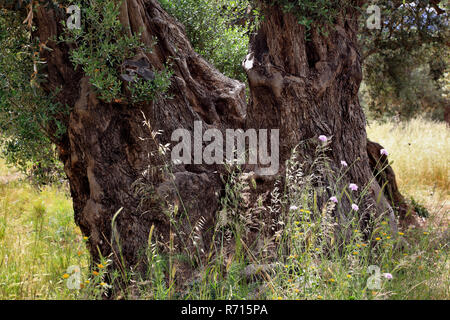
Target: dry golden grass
420, 151
39, 239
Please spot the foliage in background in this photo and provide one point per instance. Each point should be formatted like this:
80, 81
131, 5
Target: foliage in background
25, 111
406, 60
218, 30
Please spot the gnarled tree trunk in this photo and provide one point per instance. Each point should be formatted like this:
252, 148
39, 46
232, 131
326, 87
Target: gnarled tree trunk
308, 88
304, 88
108, 148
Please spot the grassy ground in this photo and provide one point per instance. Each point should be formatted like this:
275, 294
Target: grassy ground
39, 241
420, 151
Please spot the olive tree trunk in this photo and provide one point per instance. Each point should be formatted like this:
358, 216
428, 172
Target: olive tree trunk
308, 88
304, 88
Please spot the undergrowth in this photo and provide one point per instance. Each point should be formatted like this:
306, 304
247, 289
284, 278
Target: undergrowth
312, 253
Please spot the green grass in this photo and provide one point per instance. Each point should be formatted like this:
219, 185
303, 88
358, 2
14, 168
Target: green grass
39, 241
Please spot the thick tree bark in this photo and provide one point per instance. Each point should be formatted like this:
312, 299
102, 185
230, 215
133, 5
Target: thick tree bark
309, 88
107, 148
304, 88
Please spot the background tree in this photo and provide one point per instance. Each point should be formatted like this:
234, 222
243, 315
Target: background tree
406, 60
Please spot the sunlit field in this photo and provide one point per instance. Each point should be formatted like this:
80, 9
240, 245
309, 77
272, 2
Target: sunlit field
420, 152
39, 241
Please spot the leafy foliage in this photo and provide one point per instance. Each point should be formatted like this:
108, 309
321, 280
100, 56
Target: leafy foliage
218, 30
406, 60
25, 111
101, 60
311, 13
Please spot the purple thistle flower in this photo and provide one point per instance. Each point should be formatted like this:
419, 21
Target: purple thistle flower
353, 187
388, 276
384, 152
355, 207
344, 164
334, 199
323, 138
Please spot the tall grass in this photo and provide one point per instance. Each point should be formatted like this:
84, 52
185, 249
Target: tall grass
39, 241
420, 151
